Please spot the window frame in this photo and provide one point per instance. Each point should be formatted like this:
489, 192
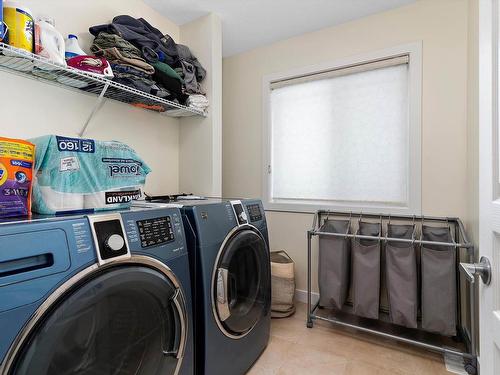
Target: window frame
414, 204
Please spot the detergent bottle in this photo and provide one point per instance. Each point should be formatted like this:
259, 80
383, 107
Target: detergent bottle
49, 42
20, 23
73, 48
3, 29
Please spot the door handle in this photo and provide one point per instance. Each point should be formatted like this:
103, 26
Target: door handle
222, 294
179, 303
482, 269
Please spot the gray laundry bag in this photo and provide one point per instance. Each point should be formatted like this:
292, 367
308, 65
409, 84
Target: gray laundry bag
439, 287
401, 276
334, 264
366, 272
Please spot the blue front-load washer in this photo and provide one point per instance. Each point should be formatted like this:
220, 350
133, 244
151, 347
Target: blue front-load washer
230, 265
103, 294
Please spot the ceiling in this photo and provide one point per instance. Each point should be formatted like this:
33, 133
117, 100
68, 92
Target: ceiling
247, 24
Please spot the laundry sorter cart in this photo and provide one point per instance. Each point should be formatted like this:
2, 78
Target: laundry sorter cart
398, 277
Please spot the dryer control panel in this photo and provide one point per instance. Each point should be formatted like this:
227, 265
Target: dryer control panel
254, 212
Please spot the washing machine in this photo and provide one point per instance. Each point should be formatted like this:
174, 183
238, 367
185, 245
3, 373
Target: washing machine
230, 265
102, 294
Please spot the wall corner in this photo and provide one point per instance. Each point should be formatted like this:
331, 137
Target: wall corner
200, 161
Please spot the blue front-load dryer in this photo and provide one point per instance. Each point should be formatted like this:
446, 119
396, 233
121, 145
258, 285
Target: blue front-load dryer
103, 294
230, 261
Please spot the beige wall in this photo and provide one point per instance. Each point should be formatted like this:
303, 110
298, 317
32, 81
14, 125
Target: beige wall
472, 217
31, 109
200, 171
441, 25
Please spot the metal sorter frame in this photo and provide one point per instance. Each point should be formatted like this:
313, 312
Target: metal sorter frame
465, 252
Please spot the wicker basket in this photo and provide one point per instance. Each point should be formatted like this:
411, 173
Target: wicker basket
283, 284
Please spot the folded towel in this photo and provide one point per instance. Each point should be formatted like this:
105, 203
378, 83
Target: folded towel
199, 102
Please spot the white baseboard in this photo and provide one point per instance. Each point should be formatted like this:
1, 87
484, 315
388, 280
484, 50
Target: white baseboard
301, 296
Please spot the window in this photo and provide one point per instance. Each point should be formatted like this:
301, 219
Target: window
346, 136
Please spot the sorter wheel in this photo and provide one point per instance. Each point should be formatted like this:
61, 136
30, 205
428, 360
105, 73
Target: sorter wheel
470, 368
309, 324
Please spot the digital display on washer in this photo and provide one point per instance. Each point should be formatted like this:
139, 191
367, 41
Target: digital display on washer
254, 212
154, 232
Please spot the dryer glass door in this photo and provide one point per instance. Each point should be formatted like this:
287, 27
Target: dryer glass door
124, 320
242, 283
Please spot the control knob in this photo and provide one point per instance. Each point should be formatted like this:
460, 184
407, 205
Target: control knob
243, 217
115, 242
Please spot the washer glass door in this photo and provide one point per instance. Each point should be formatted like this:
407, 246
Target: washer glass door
123, 320
242, 283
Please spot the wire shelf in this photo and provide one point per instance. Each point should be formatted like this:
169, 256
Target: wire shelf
26, 64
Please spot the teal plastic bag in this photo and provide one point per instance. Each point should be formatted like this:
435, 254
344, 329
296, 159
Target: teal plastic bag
75, 174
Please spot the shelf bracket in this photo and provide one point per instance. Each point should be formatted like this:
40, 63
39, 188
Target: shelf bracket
97, 106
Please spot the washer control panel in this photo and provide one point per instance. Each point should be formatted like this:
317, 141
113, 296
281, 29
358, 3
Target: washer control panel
109, 237
156, 231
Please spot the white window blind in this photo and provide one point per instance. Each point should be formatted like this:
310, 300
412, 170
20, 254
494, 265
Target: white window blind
342, 135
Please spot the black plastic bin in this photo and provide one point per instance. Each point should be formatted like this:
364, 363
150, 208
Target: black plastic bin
401, 276
439, 287
334, 264
366, 272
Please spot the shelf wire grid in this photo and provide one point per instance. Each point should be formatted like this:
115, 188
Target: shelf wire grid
24, 63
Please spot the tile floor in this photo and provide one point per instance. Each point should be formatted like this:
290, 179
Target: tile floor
295, 349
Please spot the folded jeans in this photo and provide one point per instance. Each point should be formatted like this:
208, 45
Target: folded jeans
147, 87
129, 69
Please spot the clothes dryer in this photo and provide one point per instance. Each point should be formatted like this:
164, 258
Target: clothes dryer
230, 267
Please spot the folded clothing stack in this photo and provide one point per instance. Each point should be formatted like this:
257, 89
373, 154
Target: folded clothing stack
190, 70
176, 70
168, 78
129, 68
198, 102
